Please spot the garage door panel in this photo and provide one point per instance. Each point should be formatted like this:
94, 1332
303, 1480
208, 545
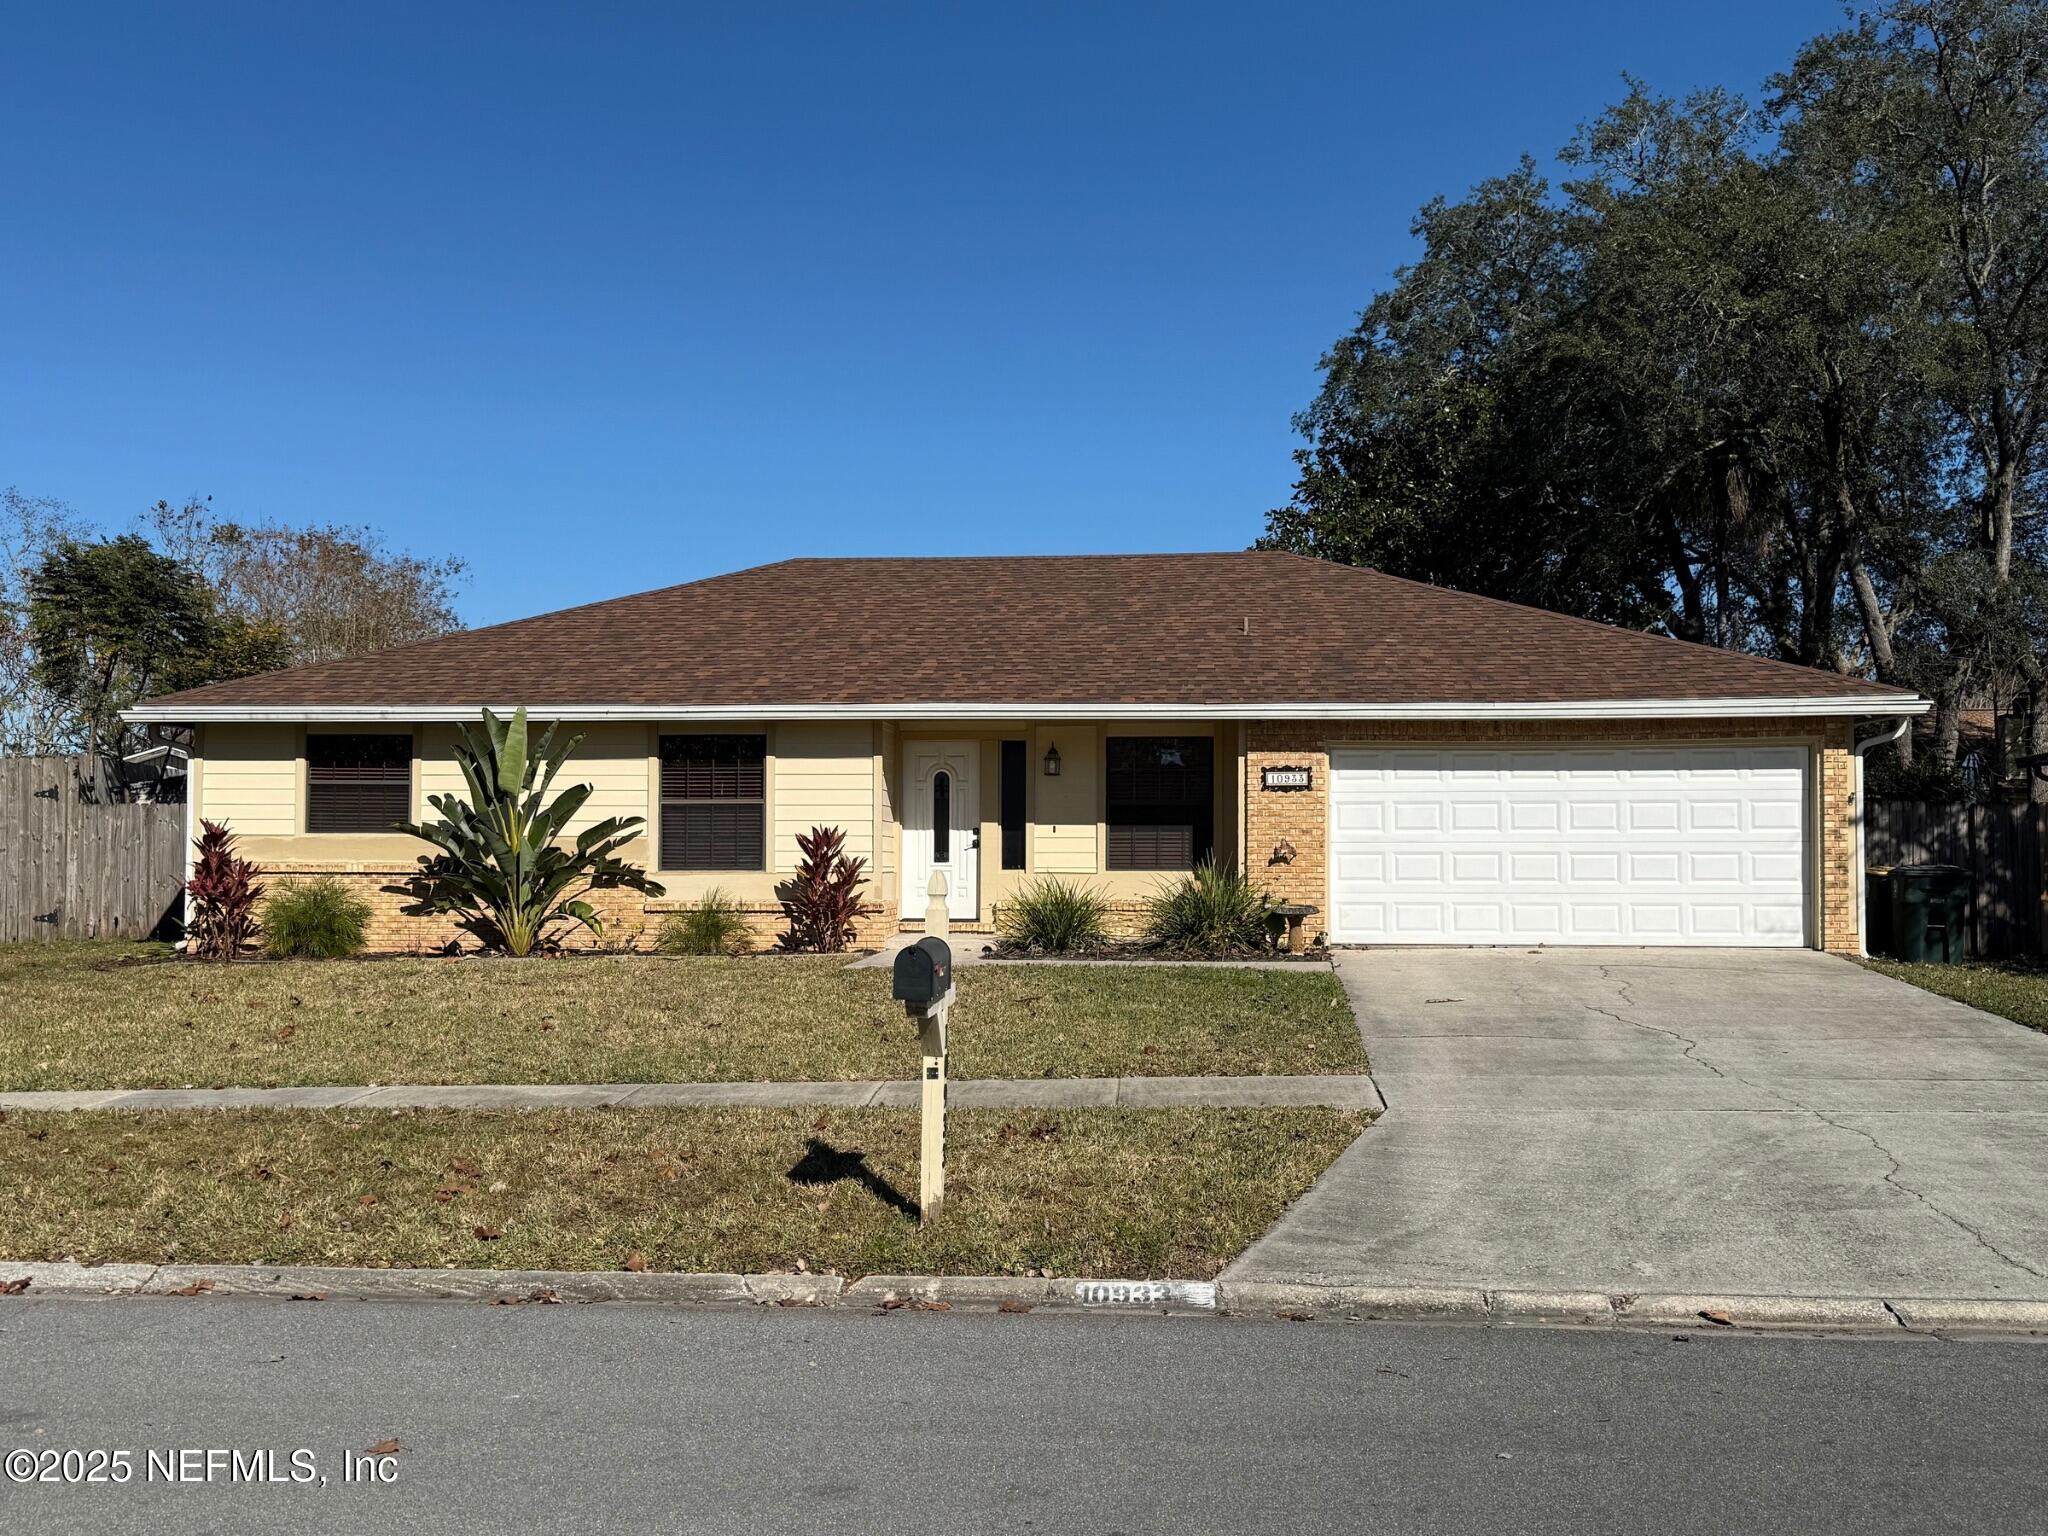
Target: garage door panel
1654, 867
1780, 869
1776, 815
1716, 815
1570, 845
1593, 815
1360, 816
1717, 866
1475, 815
1470, 867
1418, 919
1476, 917
1589, 869
1657, 924
1658, 815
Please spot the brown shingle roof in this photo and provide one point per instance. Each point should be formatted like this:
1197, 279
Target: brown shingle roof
1212, 630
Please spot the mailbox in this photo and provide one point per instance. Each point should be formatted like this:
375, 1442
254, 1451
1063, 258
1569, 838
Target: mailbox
924, 973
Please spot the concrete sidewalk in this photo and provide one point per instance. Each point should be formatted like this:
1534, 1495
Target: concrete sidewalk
1740, 1122
1353, 1092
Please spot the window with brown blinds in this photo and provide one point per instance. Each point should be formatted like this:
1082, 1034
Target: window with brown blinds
1160, 801
714, 810
358, 783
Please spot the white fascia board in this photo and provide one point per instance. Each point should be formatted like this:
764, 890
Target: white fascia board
1605, 709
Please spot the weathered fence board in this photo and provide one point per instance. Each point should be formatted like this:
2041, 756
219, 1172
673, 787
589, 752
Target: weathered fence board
73, 868
1999, 844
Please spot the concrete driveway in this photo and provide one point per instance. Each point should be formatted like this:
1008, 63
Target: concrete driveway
1731, 1122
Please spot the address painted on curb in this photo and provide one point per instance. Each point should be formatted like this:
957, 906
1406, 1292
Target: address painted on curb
1146, 1293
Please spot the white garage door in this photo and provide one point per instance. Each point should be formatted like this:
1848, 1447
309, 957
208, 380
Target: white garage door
1696, 845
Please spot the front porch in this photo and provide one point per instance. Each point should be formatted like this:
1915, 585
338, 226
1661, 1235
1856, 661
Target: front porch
1120, 806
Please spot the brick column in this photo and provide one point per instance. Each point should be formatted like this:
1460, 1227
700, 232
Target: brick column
1296, 817
1840, 901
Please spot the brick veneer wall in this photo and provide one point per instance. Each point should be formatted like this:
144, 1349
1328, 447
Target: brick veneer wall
631, 921
1301, 817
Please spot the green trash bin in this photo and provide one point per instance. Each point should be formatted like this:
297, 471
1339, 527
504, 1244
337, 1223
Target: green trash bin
1929, 902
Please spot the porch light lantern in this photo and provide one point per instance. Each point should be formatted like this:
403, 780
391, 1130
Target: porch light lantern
1052, 761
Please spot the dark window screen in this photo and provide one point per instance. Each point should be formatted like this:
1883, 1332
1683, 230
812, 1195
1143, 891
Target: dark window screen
1161, 801
358, 783
714, 802
1013, 787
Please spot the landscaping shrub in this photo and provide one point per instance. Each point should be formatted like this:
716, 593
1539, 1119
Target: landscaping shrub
503, 872
315, 920
1050, 916
220, 898
823, 901
714, 925
1214, 911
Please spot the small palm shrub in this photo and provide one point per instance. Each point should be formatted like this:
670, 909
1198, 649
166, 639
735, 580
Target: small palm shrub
823, 902
1049, 916
315, 920
220, 898
713, 925
1214, 911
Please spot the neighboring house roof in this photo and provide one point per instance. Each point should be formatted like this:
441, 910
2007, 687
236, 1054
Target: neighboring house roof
1249, 633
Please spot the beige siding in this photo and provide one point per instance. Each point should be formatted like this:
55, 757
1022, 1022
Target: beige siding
251, 784
438, 773
824, 777
612, 760
1063, 829
887, 839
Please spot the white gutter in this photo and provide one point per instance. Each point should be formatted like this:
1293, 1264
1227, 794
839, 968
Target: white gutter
1882, 739
1602, 709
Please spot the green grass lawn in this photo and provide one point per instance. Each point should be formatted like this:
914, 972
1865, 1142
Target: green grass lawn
1140, 1193
2011, 989
87, 1016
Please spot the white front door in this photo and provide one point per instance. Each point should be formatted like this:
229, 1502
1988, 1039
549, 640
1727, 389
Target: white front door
941, 827
1569, 845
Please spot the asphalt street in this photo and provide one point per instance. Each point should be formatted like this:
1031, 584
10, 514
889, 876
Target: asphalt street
572, 1418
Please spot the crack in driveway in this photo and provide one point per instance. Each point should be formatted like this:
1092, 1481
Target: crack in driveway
1891, 1176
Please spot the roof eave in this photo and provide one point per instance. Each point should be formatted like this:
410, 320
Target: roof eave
1822, 706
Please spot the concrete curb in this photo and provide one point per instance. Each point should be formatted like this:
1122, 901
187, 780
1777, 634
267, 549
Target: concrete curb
314, 1282
1298, 1301
1470, 1304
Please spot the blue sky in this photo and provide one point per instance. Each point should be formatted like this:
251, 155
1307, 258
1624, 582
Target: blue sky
607, 297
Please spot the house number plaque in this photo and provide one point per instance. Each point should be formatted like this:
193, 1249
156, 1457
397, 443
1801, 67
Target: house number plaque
1284, 778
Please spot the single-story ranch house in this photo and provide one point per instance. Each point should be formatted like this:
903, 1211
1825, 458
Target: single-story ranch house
1422, 766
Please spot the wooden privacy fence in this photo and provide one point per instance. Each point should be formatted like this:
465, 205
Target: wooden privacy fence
2000, 846
74, 868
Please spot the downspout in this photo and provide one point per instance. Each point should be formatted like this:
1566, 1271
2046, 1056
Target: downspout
1898, 728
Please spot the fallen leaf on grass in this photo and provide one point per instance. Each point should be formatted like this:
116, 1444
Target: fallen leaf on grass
463, 1166
382, 1448
448, 1192
636, 1261
284, 1035
488, 1234
366, 1199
